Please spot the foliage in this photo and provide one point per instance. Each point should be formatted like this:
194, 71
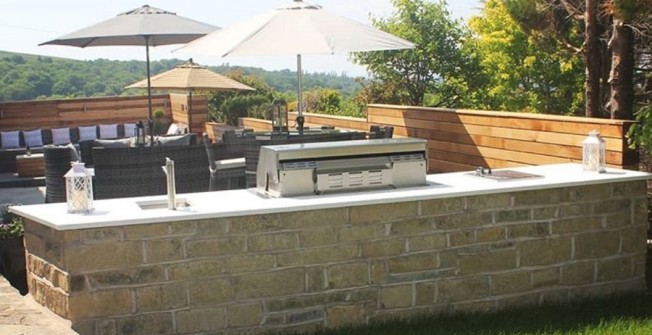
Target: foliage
640, 133
527, 71
325, 101
11, 225
435, 62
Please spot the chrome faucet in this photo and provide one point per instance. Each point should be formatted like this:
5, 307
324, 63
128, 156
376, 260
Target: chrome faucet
172, 190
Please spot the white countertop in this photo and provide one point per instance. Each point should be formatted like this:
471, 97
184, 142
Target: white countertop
125, 211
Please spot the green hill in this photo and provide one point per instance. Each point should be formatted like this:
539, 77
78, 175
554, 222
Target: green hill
29, 77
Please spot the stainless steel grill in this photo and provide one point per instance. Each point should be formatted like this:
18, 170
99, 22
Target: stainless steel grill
315, 168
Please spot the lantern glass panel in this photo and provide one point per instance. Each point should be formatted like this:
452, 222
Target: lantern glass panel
79, 189
594, 153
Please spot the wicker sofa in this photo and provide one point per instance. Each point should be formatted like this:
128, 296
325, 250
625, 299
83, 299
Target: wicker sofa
136, 171
8, 155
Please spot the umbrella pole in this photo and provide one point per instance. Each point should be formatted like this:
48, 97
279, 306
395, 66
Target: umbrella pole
150, 120
300, 118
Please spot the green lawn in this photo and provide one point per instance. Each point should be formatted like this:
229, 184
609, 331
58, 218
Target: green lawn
628, 315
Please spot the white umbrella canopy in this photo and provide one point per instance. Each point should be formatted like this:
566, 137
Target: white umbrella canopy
300, 28
146, 26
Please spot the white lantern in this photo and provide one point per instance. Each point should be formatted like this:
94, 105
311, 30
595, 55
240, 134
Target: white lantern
593, 153
79, 189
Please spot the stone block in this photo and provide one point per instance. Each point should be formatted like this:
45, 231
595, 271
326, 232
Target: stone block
633, 239
345, 315
539, 197
629, 189
361, 232
575, 209
413, 263
442, 206
100, 304
548, 277
242, 315
576, 225
416, 226
162, 297
425, 294
183, 228
164, 250
204, 320
434, 241
529, 229
612, 206
157, 323
383, 213
597, 245
212, 227
548, 251
619, 219
256, 224
248, 262
103, 256
383, 248
348, 275
305, 316
463, 220
316, 279
191, 270
510, 283
319, 236
145, 231
315, 218
314, 256
513, 215
272, 242
463, 289
578, 273
212, 291
396, 296
270, 283
462, 237
100, 234
518, 301
492, 234
215, 247
589, 192
615, 269
483, 202
128, 277
501, 260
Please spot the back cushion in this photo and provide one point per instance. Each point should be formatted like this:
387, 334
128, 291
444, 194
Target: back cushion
130, 129
60, 136
87, 133
108, 131
10, 139
33, 138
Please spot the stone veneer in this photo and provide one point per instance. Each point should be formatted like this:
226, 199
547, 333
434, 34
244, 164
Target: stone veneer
327, 268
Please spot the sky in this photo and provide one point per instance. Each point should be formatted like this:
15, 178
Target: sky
26, 23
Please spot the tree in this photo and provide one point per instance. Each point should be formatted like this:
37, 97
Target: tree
527, 71
436, 57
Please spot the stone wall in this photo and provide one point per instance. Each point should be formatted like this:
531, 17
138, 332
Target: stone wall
332, 267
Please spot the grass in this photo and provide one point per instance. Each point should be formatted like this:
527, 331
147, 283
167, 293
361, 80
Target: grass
625, 314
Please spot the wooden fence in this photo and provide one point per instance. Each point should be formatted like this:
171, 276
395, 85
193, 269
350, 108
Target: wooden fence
461, 140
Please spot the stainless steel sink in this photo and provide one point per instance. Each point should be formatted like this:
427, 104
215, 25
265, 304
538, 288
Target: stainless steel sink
162, 204
504, 175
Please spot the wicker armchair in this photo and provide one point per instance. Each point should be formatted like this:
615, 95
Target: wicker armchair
57, 163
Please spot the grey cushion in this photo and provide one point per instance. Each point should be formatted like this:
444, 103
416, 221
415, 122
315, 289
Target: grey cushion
121, 143
33, 138
174, 140
10, 139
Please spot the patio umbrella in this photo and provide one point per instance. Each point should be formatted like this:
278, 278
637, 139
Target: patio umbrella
146, 26
191, 76
300, 28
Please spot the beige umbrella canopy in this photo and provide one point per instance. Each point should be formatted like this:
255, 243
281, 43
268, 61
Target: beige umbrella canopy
192, 76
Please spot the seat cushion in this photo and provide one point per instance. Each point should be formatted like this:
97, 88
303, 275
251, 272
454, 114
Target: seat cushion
87, 133
121, 143
33, 138
108, 131
10, 139
60, 136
